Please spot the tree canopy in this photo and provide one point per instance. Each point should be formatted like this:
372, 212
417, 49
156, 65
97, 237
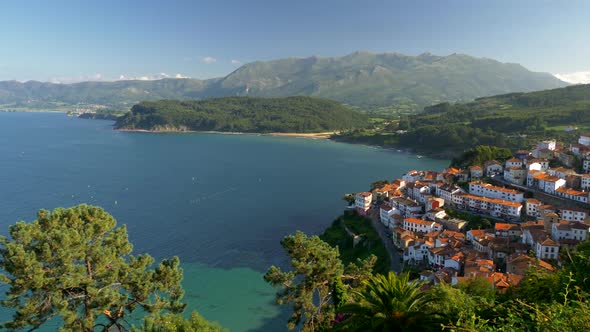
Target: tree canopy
243, 114
76, 264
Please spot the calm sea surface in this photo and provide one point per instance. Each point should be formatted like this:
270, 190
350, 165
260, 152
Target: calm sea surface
221, 203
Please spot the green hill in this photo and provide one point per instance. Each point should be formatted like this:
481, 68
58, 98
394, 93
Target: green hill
514, 120
243, 114
380, 82
386, 80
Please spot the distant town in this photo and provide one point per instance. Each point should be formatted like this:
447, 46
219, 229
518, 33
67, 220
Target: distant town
535, 207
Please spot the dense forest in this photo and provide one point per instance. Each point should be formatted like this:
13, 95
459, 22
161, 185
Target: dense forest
513, 121
243, 114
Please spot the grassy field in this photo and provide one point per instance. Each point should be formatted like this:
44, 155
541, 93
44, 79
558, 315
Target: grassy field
371, 244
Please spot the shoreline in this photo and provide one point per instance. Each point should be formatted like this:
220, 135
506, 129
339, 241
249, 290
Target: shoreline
322, 135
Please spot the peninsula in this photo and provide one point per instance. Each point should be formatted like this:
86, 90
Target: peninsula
242, 114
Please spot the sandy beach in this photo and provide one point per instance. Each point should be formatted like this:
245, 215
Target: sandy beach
323, 135
306, 135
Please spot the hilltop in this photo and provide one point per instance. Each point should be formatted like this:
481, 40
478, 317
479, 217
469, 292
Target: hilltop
510, 120
387, 82
242, 114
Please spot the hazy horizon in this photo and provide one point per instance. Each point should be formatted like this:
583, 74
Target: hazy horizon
66, 41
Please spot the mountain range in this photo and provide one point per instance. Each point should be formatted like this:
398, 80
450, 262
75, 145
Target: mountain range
390, 81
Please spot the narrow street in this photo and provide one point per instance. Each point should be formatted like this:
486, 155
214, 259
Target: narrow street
394, 255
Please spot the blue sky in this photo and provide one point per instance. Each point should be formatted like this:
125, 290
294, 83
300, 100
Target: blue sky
105, 40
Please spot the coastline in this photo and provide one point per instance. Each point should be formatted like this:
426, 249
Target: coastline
322, 135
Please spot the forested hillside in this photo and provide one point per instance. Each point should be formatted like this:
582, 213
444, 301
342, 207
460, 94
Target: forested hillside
512, 120
387, 83
243, 114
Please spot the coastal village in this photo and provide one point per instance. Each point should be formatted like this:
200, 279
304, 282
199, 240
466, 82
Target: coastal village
536, 205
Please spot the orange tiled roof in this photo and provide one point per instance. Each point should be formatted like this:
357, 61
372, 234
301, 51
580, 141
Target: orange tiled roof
500, 226
478, 232
492, 200
492, 187
549, 242
571, 192
452, 170
419, 221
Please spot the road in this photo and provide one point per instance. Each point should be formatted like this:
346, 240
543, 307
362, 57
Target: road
551, 199
394, 255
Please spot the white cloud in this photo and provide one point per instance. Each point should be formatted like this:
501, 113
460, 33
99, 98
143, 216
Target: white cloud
580, 77
208, 60
150, 77
236, 62
76, 79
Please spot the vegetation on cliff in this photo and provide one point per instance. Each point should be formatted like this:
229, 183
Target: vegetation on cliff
327, 297
243, 114
513, 121
76, 266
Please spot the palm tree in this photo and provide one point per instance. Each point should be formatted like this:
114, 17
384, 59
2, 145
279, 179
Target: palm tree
389, 303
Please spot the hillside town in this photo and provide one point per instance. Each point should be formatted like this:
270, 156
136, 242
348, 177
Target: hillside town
535, 203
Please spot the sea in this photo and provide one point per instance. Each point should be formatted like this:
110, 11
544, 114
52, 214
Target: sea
221, 203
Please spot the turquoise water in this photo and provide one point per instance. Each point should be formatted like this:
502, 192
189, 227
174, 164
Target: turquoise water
219, 202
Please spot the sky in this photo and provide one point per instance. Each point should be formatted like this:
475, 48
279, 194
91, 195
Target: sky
77, 40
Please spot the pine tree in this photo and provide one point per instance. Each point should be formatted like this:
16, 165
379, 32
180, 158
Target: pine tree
76, 264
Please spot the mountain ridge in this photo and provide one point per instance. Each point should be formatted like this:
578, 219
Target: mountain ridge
391, 81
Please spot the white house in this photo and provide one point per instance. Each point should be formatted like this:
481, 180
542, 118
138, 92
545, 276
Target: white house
516, 175
507, 230
447, 192
586, 165
513, 162
551, 184
421, 226
491, 191
475, 172
569, 230
573, 214
417, 252
408, 208
362, 202
493, 167
418, 192
549, 145
434, 214
532, 207
574, 195
438, 256
492, 206
386, 211
584, 139
537, 164
585, 182
546, 248
560, 172
544, 182
411, 176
